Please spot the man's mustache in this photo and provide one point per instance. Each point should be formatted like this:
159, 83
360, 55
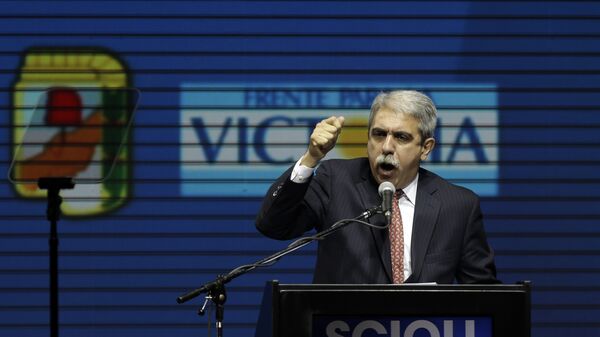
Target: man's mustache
387, 159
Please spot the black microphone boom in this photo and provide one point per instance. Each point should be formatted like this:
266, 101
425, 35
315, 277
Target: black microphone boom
386, 191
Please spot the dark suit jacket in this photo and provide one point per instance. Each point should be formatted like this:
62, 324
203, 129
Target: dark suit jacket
448, 240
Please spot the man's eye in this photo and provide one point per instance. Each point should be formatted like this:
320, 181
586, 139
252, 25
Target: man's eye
377, 133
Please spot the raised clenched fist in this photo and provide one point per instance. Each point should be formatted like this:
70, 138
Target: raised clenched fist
322, 140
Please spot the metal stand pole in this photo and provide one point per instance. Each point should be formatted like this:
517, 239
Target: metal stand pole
54, 185
216, 289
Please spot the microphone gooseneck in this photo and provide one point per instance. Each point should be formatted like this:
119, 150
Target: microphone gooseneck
386, 191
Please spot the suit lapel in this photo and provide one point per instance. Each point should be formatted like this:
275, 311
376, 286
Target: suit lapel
370, 198
426, 214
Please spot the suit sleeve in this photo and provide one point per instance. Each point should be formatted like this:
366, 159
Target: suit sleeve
477, 257
290, 209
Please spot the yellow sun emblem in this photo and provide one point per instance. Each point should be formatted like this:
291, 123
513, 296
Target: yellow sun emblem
353, 139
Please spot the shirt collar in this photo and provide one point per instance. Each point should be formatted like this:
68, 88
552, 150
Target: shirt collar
410, 191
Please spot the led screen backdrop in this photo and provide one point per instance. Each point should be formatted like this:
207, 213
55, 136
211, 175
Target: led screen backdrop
228, 94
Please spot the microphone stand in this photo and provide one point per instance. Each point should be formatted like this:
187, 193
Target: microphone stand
215, 290
53, 185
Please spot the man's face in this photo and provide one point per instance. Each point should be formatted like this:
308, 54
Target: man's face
395, 148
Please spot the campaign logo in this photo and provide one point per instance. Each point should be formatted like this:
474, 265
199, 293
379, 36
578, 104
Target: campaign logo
70, 117
242, 137
330, 326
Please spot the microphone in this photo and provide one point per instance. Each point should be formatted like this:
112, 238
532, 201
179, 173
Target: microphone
386, 191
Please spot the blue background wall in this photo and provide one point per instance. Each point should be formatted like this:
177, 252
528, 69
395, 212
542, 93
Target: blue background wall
120, 272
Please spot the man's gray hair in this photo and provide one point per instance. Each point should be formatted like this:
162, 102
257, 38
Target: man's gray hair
410, 102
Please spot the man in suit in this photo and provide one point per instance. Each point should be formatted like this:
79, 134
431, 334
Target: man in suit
437, 232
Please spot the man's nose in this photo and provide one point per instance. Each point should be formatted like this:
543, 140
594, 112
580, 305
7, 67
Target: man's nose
388, 144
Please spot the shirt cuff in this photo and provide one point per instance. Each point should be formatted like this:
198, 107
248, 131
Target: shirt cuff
301, 173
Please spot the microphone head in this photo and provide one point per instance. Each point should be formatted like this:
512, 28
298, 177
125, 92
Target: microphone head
386, 186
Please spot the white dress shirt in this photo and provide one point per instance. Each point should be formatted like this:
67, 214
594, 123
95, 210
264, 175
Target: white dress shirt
301, 174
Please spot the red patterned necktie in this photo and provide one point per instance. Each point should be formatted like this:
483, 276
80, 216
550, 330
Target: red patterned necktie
397, 241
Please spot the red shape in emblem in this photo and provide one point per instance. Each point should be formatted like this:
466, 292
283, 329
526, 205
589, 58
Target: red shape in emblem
63, 107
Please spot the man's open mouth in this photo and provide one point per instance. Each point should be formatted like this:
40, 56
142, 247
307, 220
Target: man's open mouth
387, 167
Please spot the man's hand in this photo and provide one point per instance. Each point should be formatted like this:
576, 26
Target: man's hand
322, 140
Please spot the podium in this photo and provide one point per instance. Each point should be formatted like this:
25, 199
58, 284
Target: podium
408, 310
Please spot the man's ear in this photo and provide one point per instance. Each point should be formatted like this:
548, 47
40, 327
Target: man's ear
428, 146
